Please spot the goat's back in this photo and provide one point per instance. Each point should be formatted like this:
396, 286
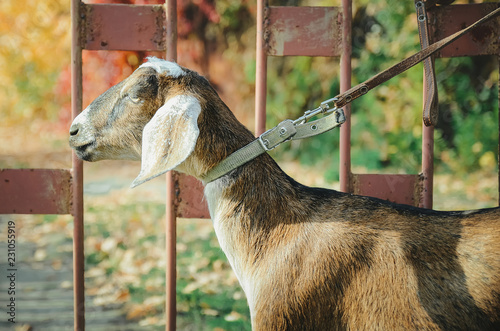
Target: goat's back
360, 263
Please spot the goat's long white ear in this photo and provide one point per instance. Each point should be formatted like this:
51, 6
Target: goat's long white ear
169, 137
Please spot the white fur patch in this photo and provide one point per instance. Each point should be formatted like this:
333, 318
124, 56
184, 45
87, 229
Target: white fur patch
82, 118
219, 207
164, 66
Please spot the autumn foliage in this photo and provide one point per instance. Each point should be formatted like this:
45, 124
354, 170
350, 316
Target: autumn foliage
35, 56
217, 38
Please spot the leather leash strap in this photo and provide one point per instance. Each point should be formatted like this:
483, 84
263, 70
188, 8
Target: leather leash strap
299, 129
360, 89
430, 110
286, 130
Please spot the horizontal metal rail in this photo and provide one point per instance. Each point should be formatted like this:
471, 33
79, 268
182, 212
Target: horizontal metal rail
36, 191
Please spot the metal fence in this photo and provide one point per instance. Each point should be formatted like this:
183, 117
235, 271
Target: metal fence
107, 27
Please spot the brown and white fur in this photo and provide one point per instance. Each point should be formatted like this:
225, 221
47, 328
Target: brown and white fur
306, 258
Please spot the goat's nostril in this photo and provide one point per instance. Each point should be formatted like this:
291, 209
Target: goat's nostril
73, 130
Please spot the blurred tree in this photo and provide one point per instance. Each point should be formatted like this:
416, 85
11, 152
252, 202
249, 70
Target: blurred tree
34, 46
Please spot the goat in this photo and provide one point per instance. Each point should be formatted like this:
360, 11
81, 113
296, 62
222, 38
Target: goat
306, 258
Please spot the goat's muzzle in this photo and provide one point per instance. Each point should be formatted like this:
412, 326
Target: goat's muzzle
80, 143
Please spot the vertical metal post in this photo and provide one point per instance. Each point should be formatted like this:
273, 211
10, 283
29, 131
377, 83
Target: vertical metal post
345, 84
170, 226
427, 163
261, 70
76, 108
170, 267
429, 103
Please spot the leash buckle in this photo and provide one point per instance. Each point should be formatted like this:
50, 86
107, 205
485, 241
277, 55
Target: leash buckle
323, 108
326, 107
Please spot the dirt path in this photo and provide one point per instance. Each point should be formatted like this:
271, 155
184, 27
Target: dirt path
43, 291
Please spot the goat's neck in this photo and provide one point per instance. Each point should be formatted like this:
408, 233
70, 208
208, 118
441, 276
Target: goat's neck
249, 206
249, 203
255, 194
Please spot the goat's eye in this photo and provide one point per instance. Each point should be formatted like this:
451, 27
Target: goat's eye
134, 99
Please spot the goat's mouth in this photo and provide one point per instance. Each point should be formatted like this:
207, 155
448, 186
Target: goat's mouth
83, 151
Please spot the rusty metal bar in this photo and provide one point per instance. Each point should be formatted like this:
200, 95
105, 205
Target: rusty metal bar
261, 69
405, 189
189, 198
430, 104
78, 234
170, 221
171, 27
427, 160
303, 31
427, 166
170, 246
447, 20
35, 191
123, 27
345, 84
